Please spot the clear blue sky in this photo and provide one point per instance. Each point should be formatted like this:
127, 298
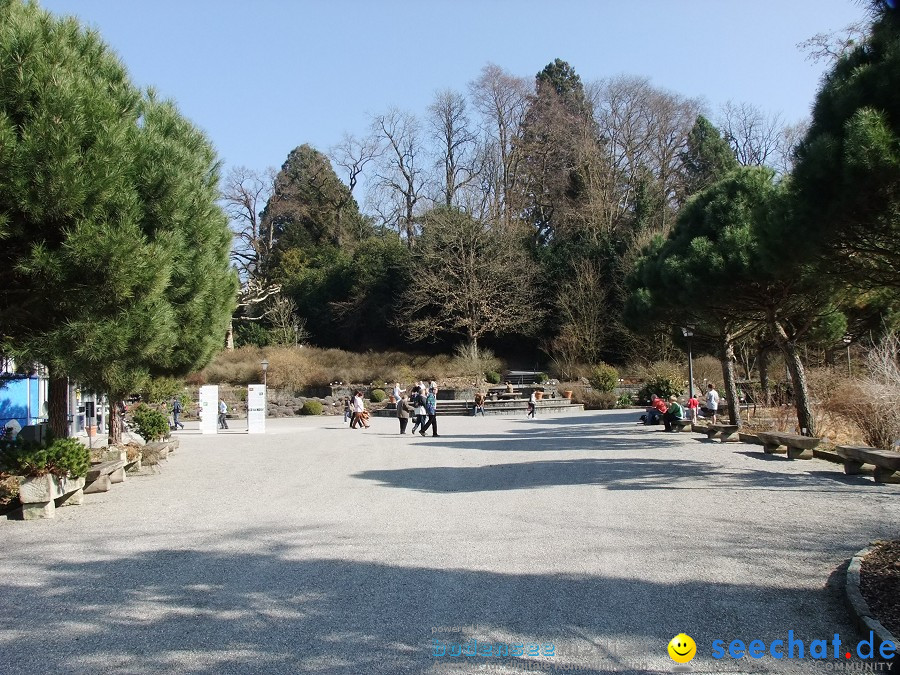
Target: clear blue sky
264, 76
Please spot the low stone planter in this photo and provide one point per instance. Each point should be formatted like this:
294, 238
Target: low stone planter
41, 495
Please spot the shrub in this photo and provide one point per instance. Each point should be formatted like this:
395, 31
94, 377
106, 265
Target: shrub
492, 377
311, 408
151, 424
662, 378
604, 377
624, 401
871, 402
542, 377
161, 390
377, 395
63, 457
595, 400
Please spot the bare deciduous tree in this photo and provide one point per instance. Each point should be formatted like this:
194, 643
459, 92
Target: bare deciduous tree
502, 100
475, 280
457, 144
399, 177
287, 328
754, 136
829, 47
245, 192
352, 155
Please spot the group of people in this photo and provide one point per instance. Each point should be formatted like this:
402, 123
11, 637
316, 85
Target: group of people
667, 412
421, 404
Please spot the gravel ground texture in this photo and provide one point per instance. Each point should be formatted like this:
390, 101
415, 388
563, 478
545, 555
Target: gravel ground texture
581, 543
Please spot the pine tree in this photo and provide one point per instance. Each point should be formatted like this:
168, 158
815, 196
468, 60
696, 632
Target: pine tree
114, 264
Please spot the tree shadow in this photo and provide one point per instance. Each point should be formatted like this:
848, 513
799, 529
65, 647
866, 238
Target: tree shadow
269, 612
608, 473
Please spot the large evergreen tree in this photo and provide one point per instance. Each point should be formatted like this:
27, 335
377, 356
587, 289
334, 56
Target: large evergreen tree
707, 158
310, 206
114, 264
847, 175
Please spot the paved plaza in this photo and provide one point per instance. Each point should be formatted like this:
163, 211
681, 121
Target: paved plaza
317, 549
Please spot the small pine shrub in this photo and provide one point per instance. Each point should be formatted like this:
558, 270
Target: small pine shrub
377, 395
311, 408
63, 457
492, 377
542, 377
69, 457
151, 424
604, 377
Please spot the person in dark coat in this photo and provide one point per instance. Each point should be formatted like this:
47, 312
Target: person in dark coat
403, 411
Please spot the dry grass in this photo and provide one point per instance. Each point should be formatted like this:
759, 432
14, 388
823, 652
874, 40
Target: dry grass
9, 492
299, 367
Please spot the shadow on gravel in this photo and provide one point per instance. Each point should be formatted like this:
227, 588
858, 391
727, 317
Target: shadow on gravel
207, 612
612, 474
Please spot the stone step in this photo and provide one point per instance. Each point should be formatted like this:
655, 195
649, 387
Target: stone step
465, 409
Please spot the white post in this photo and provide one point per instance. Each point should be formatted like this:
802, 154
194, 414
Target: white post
209, 409
256, 409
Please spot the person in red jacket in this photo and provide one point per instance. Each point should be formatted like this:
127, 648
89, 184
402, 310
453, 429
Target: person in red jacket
656, 410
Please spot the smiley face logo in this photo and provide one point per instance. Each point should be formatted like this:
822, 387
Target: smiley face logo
682, 648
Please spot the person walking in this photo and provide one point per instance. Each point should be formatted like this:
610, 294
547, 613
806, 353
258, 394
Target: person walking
223, 411
348, 411
418, 401
176, 412
403, 411
431, 411
532, 405
359, 409
712, 402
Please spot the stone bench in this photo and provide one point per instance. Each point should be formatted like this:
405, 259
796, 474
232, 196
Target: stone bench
681, 425
100, 477
724, 432
798, 447
886, 462
40, 496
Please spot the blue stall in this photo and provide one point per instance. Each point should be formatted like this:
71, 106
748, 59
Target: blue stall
22, 399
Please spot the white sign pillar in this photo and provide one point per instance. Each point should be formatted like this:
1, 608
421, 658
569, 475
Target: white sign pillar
256, 409
209, 409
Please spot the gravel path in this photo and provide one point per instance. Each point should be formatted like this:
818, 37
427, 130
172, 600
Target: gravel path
317, 549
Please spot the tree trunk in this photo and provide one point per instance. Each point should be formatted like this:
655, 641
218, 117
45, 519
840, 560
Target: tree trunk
762, 358
229, 336
805, 419
115, 420
830, 360
734, 408
58, 405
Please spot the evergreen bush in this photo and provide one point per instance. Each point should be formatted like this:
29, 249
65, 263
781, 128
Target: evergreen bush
377, 395
311, 408
492, 377
63, 457
604, 377
151, 424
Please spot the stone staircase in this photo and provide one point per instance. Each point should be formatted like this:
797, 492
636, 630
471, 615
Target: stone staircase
510, 407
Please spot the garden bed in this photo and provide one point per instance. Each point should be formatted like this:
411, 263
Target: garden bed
880, 584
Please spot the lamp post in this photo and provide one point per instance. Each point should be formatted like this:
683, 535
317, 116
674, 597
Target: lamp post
688, 332
265, 366
847, 339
